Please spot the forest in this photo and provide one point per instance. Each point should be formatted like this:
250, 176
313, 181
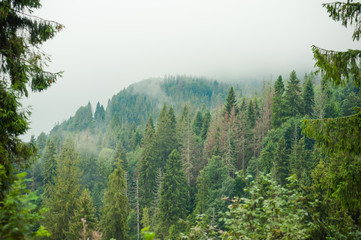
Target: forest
184, 157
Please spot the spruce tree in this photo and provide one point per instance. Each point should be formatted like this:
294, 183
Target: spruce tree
147, 167
84, 217
22, 70
278, 103
116, 208
230, 102
205, 125
174, 197
281, 162
308, 98
64, 194
293, 100
197, 123
49, 166
166, 135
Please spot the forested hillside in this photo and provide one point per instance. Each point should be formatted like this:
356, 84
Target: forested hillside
209, 160
182, 157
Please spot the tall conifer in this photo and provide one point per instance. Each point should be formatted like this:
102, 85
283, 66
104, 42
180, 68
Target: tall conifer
174, 197
64, 194
116, 208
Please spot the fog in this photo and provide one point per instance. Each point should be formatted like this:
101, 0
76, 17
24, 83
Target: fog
107, 45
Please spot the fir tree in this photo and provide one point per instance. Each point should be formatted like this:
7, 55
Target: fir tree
64, 194
116, 208
174, 197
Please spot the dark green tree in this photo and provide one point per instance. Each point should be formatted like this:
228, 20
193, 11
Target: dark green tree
174, 196
116, 208
166, 135
308, 96
278, 103
205, 125
230, 102
22, 62
197, 123
281, 162
293, 100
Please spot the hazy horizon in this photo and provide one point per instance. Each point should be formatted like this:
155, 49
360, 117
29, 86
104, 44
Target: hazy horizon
107, 46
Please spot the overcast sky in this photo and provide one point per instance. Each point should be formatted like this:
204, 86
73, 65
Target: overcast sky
107, 45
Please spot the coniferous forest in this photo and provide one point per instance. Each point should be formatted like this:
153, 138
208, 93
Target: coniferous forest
194, 158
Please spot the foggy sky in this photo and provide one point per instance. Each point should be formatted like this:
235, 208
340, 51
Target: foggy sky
107, 45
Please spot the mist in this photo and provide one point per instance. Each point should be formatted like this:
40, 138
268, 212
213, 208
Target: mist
108, 45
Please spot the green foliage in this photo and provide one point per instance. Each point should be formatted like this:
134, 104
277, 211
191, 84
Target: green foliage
19, 214
64, 194
50, 166
116, 207
292, 98
278, 103
269, 212
197, 123
174, 195
84, 214
231, 103
308, 97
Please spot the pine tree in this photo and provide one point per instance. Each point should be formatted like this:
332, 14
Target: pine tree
251, 116
84, 214
293, 100
64, 194
116, 208
278, 103
308, 97
174, 197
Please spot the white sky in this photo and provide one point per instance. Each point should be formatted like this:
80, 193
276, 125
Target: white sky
107, 45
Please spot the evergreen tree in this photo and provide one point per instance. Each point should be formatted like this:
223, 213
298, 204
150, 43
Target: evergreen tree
205, 125
174, 197
281, 162
49, 166
22, 63
116, 208
230, 102
251, 116
293, 100
165, 136
308, 97
84, 214
197, 123
64, 195
147, 167
278, 103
